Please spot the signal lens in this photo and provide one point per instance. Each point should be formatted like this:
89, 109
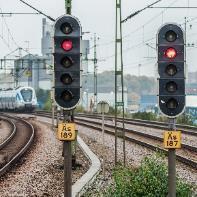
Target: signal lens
66, 79
172, 104
66, 95
66, 28
170, 53
66, 62
171, 70
171, 87
67, 45
170, 36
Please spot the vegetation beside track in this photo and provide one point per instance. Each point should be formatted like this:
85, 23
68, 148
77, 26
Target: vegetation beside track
44, 99
182, 119
150, 179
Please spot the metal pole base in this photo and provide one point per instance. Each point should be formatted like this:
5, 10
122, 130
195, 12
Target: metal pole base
172, 164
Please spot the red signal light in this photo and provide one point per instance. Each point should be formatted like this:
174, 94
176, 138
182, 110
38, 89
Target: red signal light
170, 53
67, 45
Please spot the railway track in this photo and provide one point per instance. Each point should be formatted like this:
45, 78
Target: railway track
17, 143
187, 129
139, 131
186, 155
11, 134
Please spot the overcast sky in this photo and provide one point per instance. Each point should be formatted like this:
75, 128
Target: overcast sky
98, 16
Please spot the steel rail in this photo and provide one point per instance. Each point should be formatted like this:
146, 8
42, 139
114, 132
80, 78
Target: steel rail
189, 130
186, 146
4, 169
7, 140
96, 125
180, 158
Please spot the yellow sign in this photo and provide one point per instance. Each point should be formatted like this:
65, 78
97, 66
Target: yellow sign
28, 73
172, 139
66, 131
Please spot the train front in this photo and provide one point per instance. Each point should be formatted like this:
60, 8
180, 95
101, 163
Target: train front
29, 99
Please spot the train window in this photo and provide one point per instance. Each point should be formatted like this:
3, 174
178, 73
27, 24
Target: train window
27, 95
18, 97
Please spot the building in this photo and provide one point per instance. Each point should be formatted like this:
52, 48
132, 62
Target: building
191, 105
46, 41
192, 77
148, 103
104, 94
34, 71
191, 89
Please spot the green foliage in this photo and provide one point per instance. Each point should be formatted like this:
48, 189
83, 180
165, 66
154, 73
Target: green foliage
185, 119
139, 85
44, 99
112, 111
144, 116
162, 119
150, 180
47, 105
79, 109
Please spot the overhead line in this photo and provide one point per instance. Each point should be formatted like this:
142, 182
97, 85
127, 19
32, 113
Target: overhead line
175, 7
49, 17
149, 21
137, 12
5, 42
137, 29
130, 48
9, 31
19, 47
11, 13
133, 64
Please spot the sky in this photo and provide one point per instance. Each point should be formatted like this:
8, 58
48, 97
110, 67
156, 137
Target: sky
139, 33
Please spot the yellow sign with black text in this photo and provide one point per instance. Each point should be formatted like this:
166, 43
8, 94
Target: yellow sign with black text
172, 139
66, 132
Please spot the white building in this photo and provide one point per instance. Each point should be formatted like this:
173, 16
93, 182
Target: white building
88, 98
191, 101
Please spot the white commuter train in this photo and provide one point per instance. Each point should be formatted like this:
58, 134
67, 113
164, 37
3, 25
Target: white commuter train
18, 99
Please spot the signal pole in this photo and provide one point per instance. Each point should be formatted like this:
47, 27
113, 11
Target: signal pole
95, 60
119, 101
139, 69
67, 85
67, 146
172, 163
171, 70
68, 6
67, 152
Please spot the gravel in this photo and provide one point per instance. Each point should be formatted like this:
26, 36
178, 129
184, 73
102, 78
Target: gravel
40, 171
5, 130
187, 139
134, 155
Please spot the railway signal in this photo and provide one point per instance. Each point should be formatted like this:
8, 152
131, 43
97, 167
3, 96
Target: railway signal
171, 69
67, 62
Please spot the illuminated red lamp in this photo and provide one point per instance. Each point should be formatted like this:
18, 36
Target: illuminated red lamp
67, 45
170, 53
